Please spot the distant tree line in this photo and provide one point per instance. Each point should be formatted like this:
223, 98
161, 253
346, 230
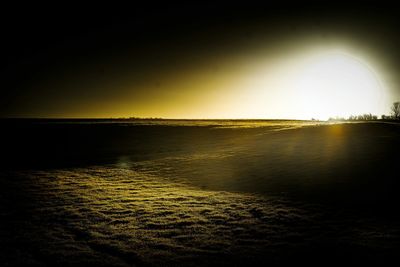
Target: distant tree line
363, 117
395, 115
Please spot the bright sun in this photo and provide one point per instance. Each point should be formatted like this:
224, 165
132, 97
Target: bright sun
337, 84
317, 84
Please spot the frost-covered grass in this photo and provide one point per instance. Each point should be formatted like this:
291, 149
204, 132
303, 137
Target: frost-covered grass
107, 215
212, 196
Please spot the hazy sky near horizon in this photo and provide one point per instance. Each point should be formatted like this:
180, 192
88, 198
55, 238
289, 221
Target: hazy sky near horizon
200, 61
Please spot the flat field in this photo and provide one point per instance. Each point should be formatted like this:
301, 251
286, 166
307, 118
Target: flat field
196, 193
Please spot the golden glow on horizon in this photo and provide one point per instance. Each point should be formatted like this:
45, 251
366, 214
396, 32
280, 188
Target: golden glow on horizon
319, 85
315, 83
337, 84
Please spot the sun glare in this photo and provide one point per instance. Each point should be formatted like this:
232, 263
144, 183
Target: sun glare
319, 84
337, 84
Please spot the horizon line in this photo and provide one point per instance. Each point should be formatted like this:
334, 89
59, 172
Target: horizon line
152, 118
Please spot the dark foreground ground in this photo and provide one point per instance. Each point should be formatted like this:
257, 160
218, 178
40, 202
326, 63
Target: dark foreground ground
199, 194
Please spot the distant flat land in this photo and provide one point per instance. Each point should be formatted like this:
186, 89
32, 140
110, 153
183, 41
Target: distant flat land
160, 192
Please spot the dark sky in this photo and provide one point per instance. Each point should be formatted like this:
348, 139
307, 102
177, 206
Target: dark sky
154, 60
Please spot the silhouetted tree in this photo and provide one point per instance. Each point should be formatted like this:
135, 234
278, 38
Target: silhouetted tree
396, 110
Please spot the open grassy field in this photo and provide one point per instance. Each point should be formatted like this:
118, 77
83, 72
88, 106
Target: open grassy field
196, 193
